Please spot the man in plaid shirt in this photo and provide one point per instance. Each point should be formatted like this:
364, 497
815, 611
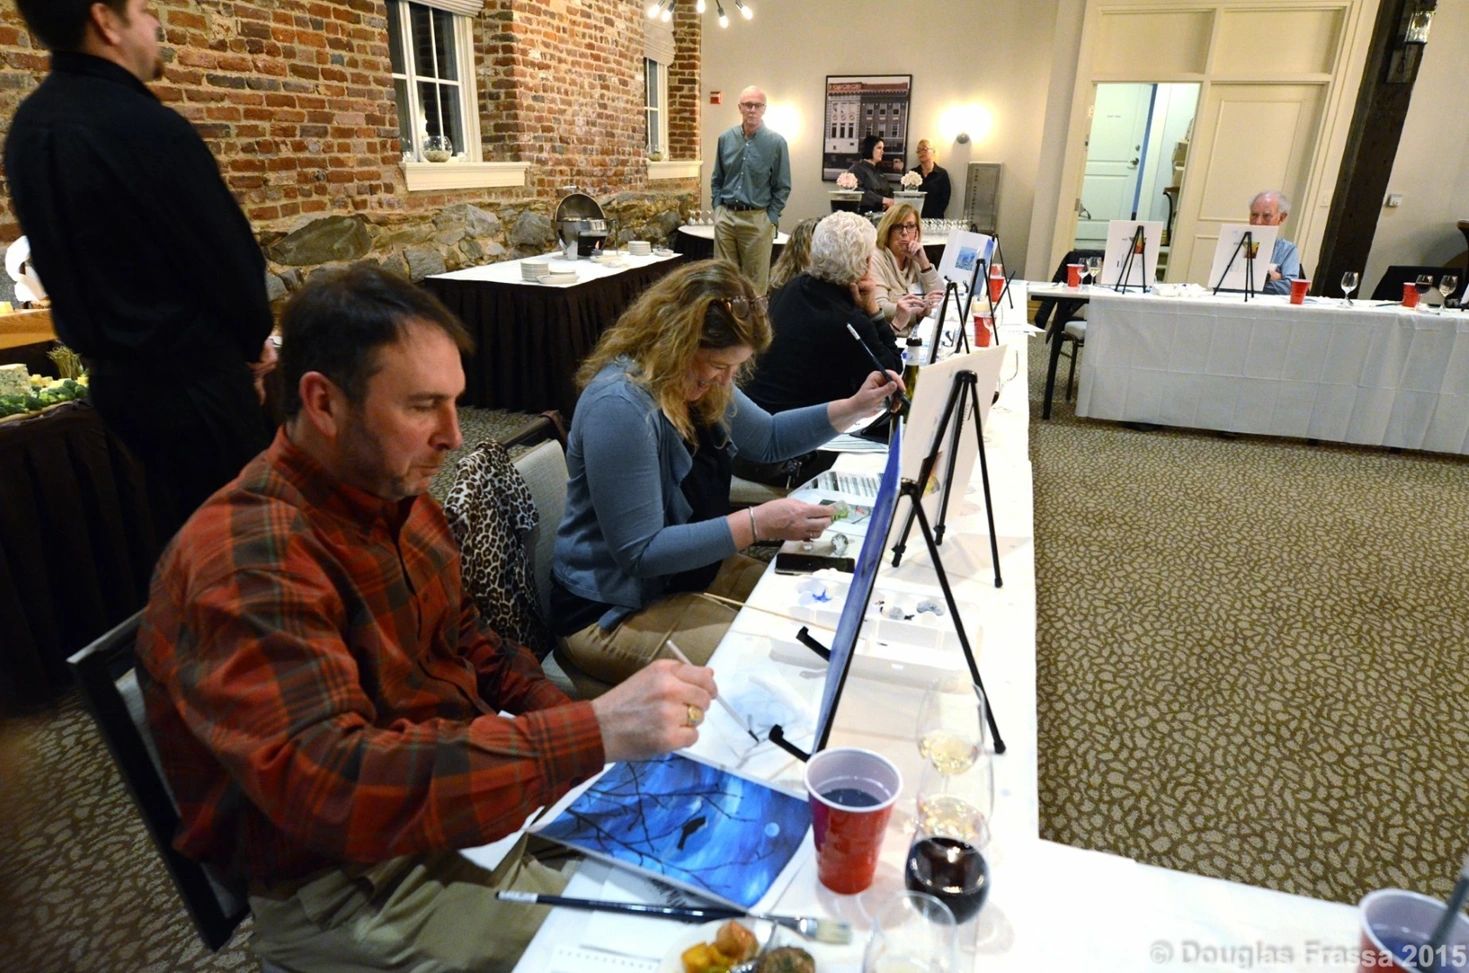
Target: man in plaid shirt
323, 694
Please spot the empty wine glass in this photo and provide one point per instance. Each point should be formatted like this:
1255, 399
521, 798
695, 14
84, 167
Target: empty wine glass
1447, 284
1348, 284
1093, 268
911, 933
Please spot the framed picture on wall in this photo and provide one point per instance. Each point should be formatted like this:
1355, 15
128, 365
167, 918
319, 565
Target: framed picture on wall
861, 104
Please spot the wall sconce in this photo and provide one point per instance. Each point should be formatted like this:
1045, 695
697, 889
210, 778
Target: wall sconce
962, 138
1412, 38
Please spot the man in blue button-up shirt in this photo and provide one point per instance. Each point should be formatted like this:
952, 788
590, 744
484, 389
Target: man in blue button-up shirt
752, 180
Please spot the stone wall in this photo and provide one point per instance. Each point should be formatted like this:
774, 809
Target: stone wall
295, 99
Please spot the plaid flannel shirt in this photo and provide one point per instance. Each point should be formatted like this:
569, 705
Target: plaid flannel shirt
321, 690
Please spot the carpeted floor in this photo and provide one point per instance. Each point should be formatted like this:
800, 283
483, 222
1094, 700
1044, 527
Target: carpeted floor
1249, 664
1251, 654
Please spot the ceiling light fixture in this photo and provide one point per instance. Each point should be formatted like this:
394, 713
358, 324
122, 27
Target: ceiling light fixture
723, 17
745, 11
700, 6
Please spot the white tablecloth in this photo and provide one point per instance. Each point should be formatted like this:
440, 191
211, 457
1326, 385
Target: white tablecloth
1052, 907
586, 269
1382, 376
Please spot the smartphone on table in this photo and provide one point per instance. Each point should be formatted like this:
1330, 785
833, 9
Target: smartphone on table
793, 563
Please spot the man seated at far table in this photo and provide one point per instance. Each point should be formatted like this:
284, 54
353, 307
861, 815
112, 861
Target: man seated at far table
1271, 208
324, 695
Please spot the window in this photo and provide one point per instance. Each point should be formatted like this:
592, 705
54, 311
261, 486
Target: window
431, 49
655, 104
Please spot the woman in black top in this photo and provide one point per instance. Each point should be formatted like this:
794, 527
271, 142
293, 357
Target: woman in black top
877, 193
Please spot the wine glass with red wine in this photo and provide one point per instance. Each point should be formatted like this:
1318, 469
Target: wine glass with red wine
946, 858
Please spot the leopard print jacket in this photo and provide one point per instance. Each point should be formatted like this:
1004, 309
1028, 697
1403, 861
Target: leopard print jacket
491, 512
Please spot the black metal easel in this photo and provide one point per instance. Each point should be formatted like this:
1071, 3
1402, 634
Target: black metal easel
1005, 294
963, 400
1139, 245
950, 287
1247, 243
911, 490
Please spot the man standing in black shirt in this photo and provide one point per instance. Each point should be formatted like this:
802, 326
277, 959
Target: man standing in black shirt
154, 273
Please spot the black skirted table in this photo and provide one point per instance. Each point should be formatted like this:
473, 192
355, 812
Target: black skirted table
531, 337
696, 241
76, 545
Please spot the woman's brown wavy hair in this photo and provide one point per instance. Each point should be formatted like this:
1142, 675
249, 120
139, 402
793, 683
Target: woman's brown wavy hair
708, 304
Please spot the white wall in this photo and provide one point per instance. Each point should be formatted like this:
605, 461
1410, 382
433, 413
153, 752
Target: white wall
1432, 165
966, 58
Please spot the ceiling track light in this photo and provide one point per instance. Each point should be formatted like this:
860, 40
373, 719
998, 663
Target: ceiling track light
663, 10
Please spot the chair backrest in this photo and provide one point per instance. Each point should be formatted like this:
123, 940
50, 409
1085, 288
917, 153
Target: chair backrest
1390, 287
1047, 305
105, 675
543, 467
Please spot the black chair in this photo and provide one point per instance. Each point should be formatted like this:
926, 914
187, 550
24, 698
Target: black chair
1390, 287
105, 675
1058, 317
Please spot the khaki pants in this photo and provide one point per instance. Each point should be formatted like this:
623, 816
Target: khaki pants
694, 622
744, 237
432, 913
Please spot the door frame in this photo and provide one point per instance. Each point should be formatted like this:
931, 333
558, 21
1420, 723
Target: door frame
1312, 201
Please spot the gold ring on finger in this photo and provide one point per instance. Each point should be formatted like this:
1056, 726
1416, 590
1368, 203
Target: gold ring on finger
696, 715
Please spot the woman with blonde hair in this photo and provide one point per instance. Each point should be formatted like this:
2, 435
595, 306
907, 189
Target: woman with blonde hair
647, 526
899, 263
796, 256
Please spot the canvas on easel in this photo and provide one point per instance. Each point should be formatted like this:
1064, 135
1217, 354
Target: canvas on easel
929, 398
963, 254
1142, 269
1228, 271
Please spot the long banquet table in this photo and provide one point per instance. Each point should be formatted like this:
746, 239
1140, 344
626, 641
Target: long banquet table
531, 337
1368, 374
1051, 906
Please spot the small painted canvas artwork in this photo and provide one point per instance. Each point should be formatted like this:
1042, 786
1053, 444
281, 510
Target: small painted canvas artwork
698, 826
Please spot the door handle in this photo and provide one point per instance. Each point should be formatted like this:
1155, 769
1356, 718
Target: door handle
1133, 163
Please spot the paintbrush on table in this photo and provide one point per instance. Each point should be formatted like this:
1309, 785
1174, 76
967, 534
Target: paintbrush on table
678, 654
812, 927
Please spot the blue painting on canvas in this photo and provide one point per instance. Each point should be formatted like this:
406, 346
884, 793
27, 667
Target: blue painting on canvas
689, 823
844, 642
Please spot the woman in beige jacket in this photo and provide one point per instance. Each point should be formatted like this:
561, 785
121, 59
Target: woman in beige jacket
898, 262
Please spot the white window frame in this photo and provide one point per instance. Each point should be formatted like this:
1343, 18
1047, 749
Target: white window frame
656, 116
467, 169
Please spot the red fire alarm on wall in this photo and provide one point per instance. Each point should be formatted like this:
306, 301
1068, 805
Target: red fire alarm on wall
716, 97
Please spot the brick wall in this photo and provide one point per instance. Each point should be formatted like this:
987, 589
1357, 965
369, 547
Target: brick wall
683, 83
295, 99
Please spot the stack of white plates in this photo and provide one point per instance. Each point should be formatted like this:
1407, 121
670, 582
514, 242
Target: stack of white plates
639, 248
561, 277
534, 270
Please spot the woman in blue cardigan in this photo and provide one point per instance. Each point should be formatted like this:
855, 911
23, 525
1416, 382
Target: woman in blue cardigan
648, 528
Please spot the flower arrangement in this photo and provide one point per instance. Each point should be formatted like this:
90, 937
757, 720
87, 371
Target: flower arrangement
847, 180
911, 180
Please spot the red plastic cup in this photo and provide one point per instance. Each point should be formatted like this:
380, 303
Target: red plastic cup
1393, 921
997, 283
1298, 288
852, 792
1073, 275
984, 329
1410, 294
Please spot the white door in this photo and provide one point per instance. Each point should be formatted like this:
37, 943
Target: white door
1248, 137
1113, 160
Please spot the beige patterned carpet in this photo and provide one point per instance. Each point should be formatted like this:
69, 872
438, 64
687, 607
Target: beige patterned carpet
1251, 660
1252, 654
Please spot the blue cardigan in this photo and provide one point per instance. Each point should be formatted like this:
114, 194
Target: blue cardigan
626, 529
